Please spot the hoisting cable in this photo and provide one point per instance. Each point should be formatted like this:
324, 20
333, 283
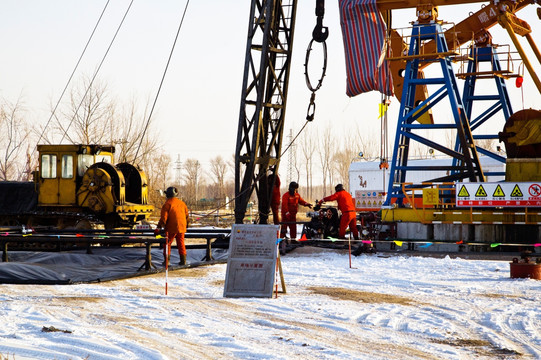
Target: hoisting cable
259, 177
162, 80
385, 99
319, 34
97, 70
384, 107
72, 73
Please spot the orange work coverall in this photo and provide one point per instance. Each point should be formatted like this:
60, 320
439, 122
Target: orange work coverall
275, 201
349, 217
290, 206
174, 219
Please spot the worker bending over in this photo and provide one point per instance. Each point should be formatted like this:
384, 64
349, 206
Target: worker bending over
347, 206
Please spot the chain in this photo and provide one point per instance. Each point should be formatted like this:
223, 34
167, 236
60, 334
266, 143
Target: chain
320, 35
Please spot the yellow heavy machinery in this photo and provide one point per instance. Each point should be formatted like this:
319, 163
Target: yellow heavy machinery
77, 186
265, 88
521, 133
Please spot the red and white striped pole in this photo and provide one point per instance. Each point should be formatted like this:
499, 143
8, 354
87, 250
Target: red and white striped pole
166, 262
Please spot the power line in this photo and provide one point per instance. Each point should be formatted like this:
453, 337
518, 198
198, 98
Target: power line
97, 70
72, 73
163, 77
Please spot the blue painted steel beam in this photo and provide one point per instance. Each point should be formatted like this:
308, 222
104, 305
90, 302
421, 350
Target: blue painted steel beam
469, 167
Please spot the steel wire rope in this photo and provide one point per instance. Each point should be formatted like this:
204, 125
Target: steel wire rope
310, 111
72, 73
319, 34
257, 178
97, 70
162, 80
154, 105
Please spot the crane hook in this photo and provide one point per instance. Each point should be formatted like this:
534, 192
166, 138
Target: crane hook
320, 32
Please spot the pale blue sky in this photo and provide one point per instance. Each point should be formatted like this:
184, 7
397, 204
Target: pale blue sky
197, 114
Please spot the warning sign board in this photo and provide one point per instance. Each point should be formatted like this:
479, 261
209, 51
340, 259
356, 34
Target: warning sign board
498, 195
516, 193
498, 192
252, 261
368, 199
463, 193
480, 192
431, 196
534, 190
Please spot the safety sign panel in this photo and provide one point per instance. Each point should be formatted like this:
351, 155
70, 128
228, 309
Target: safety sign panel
251, 265
368, 199
498, 194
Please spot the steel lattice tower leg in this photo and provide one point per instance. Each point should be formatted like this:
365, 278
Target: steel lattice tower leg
263, 102
407, 130
500, 100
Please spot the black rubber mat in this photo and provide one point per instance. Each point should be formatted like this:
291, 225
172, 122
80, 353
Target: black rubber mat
104, 264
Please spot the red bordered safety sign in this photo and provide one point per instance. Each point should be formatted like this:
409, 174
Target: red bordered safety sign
498, 194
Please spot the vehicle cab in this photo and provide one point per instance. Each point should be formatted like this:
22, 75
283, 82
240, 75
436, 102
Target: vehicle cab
61, 168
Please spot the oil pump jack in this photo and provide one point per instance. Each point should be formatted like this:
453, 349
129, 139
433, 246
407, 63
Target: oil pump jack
429, 44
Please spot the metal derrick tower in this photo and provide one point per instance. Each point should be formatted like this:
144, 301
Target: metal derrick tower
467, 165
263, 102
497, 102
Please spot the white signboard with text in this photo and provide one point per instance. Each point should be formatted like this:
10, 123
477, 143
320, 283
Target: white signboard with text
498, 194
251, 265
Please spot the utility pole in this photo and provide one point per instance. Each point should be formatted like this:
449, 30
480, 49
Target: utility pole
290, 157
197, 166
178, 168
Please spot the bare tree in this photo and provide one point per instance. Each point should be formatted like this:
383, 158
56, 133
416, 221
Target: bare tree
231, 165
487, 144
418, 151
135, 140
344, 157
14, 140
194, 172
450, 138
368, 144
157, 171
342, 160
89, 116
218, 169
325, 151
308, 148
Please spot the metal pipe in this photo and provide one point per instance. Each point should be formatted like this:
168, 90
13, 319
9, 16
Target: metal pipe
533, 46
505, 22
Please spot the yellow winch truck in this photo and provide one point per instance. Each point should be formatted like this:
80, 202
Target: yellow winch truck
77, 186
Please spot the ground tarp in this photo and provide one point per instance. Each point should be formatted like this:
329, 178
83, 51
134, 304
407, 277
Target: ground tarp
104, 264
17, 197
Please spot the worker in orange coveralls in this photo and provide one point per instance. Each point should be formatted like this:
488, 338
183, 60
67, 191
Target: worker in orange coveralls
290, 206
347, 206
275, 198
174, 220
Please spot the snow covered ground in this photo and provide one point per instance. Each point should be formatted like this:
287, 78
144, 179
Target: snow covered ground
383, 307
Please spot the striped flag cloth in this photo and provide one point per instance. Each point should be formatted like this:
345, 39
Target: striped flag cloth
363, 32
